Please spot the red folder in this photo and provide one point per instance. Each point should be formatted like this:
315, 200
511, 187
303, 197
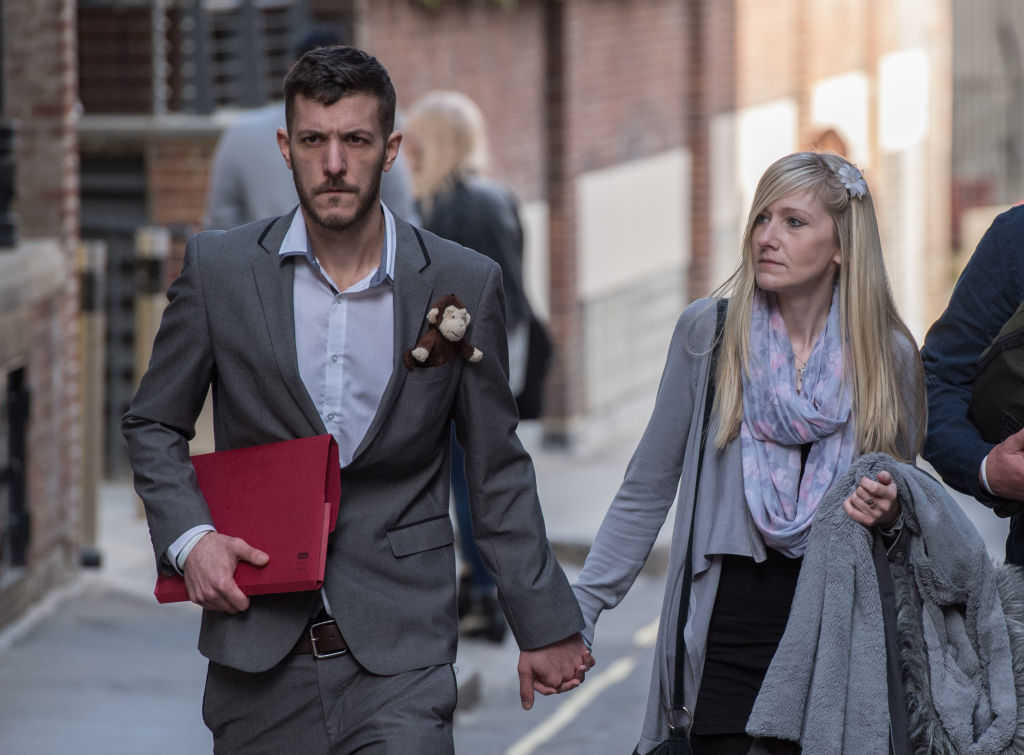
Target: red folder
282, 498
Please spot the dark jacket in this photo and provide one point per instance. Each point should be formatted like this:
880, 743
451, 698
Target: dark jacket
988, 292
482, 215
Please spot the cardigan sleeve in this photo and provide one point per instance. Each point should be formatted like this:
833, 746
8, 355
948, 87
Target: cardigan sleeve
649, 487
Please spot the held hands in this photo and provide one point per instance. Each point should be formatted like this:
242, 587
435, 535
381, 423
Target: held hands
558, 667
1005, 468
874, 501
210, 571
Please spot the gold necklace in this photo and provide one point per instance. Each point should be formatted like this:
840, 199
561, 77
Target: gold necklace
799, 372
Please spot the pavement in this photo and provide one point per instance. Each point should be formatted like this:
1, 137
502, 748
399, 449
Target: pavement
99, 667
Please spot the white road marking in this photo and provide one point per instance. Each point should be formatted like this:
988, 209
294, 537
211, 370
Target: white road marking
578, 699
645, 637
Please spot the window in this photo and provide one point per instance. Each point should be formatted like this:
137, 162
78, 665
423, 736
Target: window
14, 516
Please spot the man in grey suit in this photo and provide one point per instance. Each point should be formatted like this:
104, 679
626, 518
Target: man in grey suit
299, 323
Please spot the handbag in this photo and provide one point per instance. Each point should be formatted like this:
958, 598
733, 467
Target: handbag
530, 401
678, 742
997, 400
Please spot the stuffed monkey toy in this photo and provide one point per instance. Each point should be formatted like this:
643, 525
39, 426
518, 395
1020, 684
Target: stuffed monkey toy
448, 320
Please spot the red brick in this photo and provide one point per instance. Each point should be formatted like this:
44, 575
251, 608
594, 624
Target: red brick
40, 51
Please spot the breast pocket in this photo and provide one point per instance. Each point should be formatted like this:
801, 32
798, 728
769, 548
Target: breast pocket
426, 398
430, 375
421, 536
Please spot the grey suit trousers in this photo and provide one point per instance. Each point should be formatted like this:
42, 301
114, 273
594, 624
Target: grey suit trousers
330, 706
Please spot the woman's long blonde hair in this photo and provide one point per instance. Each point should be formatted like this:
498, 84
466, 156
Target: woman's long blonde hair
867, 313
452, 137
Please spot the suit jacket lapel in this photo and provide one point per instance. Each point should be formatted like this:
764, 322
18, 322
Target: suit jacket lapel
275, 282
413, 286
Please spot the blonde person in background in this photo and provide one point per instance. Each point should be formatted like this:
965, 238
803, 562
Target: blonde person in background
446, 145
814, 368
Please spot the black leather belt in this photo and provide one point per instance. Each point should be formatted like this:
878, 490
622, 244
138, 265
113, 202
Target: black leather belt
321, 639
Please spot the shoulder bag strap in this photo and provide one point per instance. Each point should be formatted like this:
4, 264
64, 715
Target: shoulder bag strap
684, 598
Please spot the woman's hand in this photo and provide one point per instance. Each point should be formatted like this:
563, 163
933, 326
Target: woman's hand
874, 501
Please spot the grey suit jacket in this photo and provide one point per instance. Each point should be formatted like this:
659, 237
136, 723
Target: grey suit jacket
390, 575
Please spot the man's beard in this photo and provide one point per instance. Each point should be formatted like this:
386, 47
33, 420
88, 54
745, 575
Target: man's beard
363, 208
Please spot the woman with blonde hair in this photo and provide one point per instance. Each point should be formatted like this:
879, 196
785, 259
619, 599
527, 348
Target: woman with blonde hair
813, 367
446, 144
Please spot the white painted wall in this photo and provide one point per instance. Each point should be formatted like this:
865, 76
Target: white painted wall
727, 211
633, 236
764, 134
536, 273
903, 113
841, 102
632, 221
742, 145
903, 82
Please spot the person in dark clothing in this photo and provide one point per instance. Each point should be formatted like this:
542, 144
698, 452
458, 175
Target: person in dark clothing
446, 145
988, 292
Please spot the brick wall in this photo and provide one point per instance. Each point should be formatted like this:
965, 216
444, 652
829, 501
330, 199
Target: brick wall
40, 86
625, 91
626, 80
564, 390
567, 88
494, 55
710, 90
177, 176
177, 173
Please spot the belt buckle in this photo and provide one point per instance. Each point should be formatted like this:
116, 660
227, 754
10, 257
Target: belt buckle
313, 641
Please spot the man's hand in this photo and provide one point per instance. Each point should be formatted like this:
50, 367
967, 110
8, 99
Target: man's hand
1005, 468
210, 571
874, 501
558, 667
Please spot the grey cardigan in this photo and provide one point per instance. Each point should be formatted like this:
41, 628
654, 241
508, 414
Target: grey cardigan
959, 633
665, 462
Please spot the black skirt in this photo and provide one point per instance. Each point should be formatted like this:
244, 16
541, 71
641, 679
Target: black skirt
747, 622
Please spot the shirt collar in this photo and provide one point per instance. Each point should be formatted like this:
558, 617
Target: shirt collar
296, 243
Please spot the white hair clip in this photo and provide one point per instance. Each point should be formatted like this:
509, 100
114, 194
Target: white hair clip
852, 180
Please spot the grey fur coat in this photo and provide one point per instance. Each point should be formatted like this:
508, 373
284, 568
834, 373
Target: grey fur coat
959, 623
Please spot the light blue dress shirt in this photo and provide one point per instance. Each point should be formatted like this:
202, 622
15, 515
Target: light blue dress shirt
344, 344
344, 340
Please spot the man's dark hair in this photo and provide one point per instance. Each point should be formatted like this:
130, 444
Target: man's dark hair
327, 74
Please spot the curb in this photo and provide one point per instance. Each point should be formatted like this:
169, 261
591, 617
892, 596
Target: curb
46, 606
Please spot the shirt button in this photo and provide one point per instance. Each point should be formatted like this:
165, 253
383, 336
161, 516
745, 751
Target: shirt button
335, 358
331, 416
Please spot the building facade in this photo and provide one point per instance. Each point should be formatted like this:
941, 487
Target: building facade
633, 132
41, 428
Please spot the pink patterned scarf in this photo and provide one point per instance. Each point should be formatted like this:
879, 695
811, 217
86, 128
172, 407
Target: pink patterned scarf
777, 421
